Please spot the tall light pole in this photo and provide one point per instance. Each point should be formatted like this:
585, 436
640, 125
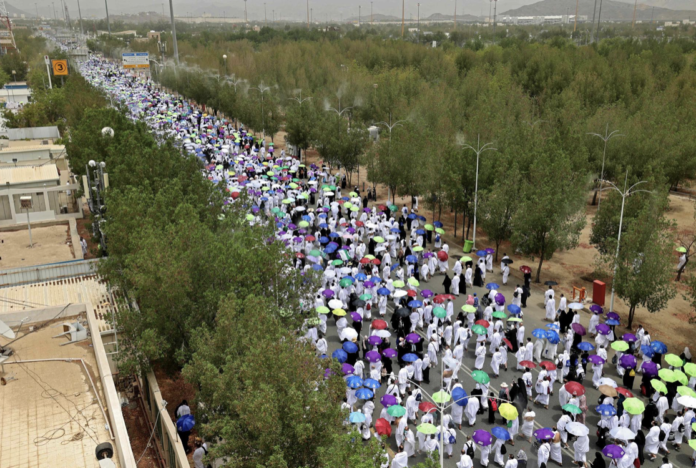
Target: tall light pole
419, 22
372, 17
106, 5
495, 10
265, 18
478, 150
359, 14
455, 14
625, 193
176, 48
606, 137
391, 126
262, 89
246, 20
79, 12
403, 13
307, 14
224, 60
575, 20
599, 21
338, 112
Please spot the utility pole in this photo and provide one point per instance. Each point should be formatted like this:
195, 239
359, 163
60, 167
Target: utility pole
599, 21
265, 19
359, 7
372, 18
108, 24
495, 9
455, 14
419, 22
307, 14
176, 48
635, 7
594, 13
652, 15
403, 13
577, 4
79, 12
246, 20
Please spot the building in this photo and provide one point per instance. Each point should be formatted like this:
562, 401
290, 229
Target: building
29, 176
32, 146
15, 93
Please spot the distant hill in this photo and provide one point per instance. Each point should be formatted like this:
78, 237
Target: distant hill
460, 18
611, 10
433, 17
376, 18
17, 13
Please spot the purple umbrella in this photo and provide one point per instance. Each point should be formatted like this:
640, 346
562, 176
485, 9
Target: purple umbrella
389, 353
499, 299
388, 400
543, 433
649, 368
603, 329
613, 451
613, 315
373, 356
595, 359
327, 293
596, 309
427, 293
413, 338
629, 338
628, 361
369, 284
374, 340
428, 255
482, 438
347, 369
490, 251
579, 329
356, 316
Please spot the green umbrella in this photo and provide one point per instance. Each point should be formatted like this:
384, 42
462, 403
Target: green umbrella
514, 319
673, 360
353, 194
303, 224
441, 397
287, 201
693, 426
250, 217
354, 208
690, 369
413, 281
347, 205
323, 310
571, 408
398, 284
427, 429
499, 314
659, 386
429, 227
680, 377
633, 406
469, 309
396, 411
365, 297
681, 249
619, 345
667, 375
479, 329
440, 231
466, 258
418, 248
315, 253
344, 283
337, 262
293, 185
275, 210
393, 207
379, 239
686, 391
439, 312
480, 377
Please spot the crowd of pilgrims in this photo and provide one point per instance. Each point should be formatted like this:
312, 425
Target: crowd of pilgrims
373, 261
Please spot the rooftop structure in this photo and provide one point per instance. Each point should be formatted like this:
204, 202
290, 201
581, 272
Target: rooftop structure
29, 176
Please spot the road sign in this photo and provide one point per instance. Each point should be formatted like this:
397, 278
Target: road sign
135, 60
60, 67
47, 60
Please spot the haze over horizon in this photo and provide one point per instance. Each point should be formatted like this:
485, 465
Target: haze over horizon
296, 10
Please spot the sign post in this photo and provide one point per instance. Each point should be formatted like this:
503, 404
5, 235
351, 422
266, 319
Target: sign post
135, 60
60, 67
48, 70
26, 204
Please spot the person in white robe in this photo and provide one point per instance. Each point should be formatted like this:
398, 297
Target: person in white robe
542, 389
556, 452
410, 443
666, 428
498, 457
678, 424
549, 294
561, 426
457, 413
468, 276
471, 408
537, 349
322, 346
529, 350
465, 461
400, 460
495, 362
480, 356
455, 284
527, 378
551, 309
485, 453
411, 406
431, 444
528, 424
511, 462
495, 342
662, 407
594, 321
636, 422
563, 396
489, 262
550, 350
596, 374
449, 441
652, 441
543, 454
581, 446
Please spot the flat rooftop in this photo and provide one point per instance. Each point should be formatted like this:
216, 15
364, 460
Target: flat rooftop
11, 175
52, 413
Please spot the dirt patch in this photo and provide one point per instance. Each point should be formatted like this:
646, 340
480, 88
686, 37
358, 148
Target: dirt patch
84, 230
51, 244
139, 434
175, 389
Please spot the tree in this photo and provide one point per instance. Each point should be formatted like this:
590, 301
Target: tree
300, 121
643, 267
550, 216
499, 206
340, 144
687, 245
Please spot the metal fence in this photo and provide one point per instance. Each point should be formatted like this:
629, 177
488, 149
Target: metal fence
52, 271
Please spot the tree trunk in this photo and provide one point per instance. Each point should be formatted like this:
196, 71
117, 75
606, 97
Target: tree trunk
497, 247
631, 313
455, 223
681, 270
594, 198
538, 274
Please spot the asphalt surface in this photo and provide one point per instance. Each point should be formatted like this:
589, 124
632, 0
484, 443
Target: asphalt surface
533, 318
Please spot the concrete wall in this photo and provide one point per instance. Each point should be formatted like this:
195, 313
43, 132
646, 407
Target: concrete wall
48, 204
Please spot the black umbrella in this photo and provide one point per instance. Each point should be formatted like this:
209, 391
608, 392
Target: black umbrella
550, 283
507, 261
359, 303
402, 312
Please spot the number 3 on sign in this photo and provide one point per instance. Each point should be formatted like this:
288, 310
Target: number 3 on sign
60, 67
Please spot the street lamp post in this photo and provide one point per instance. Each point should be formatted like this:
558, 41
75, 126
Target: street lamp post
339, 112
262, 89
391, 126
625, 193
478, 150
176, 48
224, 59
606, 137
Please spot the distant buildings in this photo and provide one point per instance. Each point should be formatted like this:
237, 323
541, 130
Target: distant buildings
553, 19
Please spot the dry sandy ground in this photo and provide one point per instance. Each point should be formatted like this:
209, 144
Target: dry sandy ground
50, 246
569, 268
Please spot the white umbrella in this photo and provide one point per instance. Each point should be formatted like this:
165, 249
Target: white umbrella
575, 306
330, 273
577, 429
688, 401
335, 304
348, 334
383, 333
400, 293
622, 433
607, 381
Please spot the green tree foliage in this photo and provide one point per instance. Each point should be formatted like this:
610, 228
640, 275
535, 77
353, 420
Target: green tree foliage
300, 122
499, 206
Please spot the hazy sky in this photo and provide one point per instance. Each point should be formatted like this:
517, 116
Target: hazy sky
286, 9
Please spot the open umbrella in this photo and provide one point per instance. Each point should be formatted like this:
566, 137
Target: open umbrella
459, 396
659, 386
528, 364
185, 423
427, 428
379, 324
514, 309
596, 359
373, 356
372, 384
628, 361
597, 309
479, 330
340, 355
396, 411
608, 390
633, 406
686, 391
544, 433
364, 394
603, 329
585, 346
658, 347
508, 411
681, 377
667, 375
577, 429
374, 340
383, 427
548, 365
441, 397
550, 283
690, 369
468, 309
410, 357
525, 269
480, 377
388, 400
576, 306
619, 345
606, 410
673, 360
413, 338
427, 407
492, 286
571, 408
349, 347
439, 312
539, 333
482, 437
575, 388
357, 417
501, 433
688, 401
622, 433
613, 451
579, 329
499, 314
483, 323
354, 381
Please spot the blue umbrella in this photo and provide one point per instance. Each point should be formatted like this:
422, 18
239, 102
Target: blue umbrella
420, 232
410, 357
411, 258
659, 347
383, 292
354, 381
361, 277
357, 417
500, 433
350, 347
371, 384
606, 410
539, 333
323, 225
552, 326
395, 230
412, 216
413, 304
323, 215
438, 224
316, 267
492, 286
340, 356
306, 218
459, 396
324, 240
375, 279
481, 253
349, 278
364, 394
553, 337
334, 234
422, 218
647, 350
514, 309
612, 322
585, 346
185, 423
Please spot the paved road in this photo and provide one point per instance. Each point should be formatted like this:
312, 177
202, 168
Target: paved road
533, 318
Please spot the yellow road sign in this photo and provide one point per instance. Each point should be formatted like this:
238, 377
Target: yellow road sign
60, 67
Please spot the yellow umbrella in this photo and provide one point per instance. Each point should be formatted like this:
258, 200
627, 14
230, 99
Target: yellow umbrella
339, 312
692, 442
508, 411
